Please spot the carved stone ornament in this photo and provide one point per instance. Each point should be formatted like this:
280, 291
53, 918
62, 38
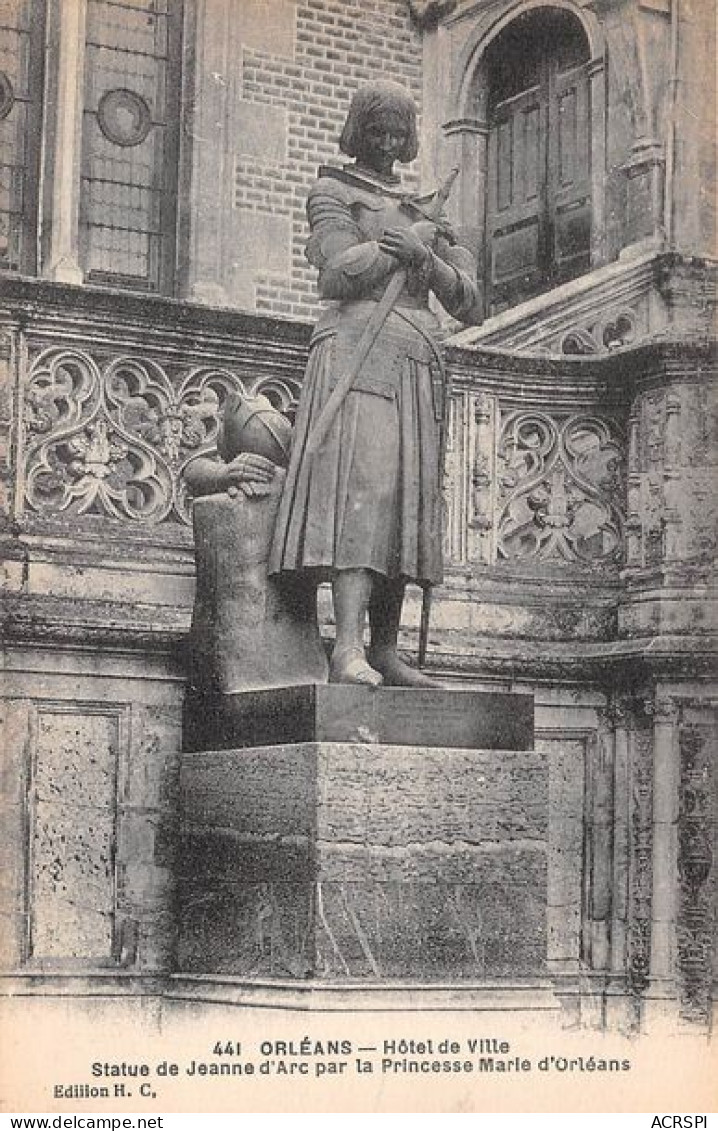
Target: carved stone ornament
640, 859
124, 117
558, 482
602, 335
112, 436
696, 832
7, 95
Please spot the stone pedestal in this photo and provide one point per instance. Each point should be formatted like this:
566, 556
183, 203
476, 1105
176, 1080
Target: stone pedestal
368, 861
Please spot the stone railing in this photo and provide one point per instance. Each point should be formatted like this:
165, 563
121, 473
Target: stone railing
565, 477
535, 464
114, 395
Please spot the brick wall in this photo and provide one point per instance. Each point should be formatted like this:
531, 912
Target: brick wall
337, 46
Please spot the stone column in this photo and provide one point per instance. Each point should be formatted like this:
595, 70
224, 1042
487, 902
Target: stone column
662, 988
204, 278
617, 1008
645, 171
483, 476
468, 148
63, 263
6, 419
602, 801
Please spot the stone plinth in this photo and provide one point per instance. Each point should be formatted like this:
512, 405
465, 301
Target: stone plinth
348, 713
248, 630
350, 861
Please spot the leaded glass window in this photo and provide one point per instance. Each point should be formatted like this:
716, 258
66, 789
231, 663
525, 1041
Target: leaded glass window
22, 29
130, 143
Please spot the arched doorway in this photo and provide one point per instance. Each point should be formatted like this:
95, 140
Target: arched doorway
538, 201
531, 109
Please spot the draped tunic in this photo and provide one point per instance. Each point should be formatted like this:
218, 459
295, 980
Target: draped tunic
369, 496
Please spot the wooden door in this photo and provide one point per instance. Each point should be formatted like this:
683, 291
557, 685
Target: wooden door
516, 198
568, 196
538, 210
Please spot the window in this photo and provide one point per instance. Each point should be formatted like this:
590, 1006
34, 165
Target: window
538, 199
130, 140
22, 33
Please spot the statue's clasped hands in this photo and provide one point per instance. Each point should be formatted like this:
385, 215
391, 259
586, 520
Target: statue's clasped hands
411, 246
250, 474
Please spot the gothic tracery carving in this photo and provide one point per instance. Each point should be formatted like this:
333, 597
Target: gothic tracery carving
610, 332
559, 484
112, 436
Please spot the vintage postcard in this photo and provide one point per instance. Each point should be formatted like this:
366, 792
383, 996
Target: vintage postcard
358, 526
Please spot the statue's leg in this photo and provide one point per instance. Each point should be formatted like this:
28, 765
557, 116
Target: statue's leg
351, 589
385, 607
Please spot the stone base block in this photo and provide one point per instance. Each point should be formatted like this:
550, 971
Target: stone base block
248, 630
349, 862
344, 713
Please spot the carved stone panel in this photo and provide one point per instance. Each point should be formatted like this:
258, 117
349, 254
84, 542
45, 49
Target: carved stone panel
73, 793
565, 754
559, 489
673, 514
111, 435
6, 397
614, 329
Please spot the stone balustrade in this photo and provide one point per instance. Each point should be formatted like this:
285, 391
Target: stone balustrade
566, 478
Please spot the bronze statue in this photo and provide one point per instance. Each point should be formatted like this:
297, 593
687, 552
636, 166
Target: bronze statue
364, 508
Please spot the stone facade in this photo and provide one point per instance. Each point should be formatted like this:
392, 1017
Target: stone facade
280, 81
580, 528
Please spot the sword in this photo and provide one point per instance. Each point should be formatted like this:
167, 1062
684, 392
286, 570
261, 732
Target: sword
373, 328
426, 590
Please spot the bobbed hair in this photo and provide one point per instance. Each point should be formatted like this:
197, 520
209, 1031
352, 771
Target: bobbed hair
377, 98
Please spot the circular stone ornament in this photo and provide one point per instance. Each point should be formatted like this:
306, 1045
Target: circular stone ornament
7, 95
124, 117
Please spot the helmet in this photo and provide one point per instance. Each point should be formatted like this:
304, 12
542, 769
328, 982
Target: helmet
253, 424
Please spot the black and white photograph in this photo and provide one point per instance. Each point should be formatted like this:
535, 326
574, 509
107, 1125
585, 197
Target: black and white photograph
358, 520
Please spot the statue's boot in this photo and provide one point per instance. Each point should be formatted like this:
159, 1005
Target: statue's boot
385, 617
351, 589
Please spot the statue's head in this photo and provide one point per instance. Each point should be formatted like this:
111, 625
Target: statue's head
380, 107
253, 424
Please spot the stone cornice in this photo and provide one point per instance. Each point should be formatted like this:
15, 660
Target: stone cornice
60, 311
40, 295
622, 664
56, 624
607, 380
88, 315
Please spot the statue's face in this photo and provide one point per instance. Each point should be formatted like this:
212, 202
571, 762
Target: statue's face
385, 138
